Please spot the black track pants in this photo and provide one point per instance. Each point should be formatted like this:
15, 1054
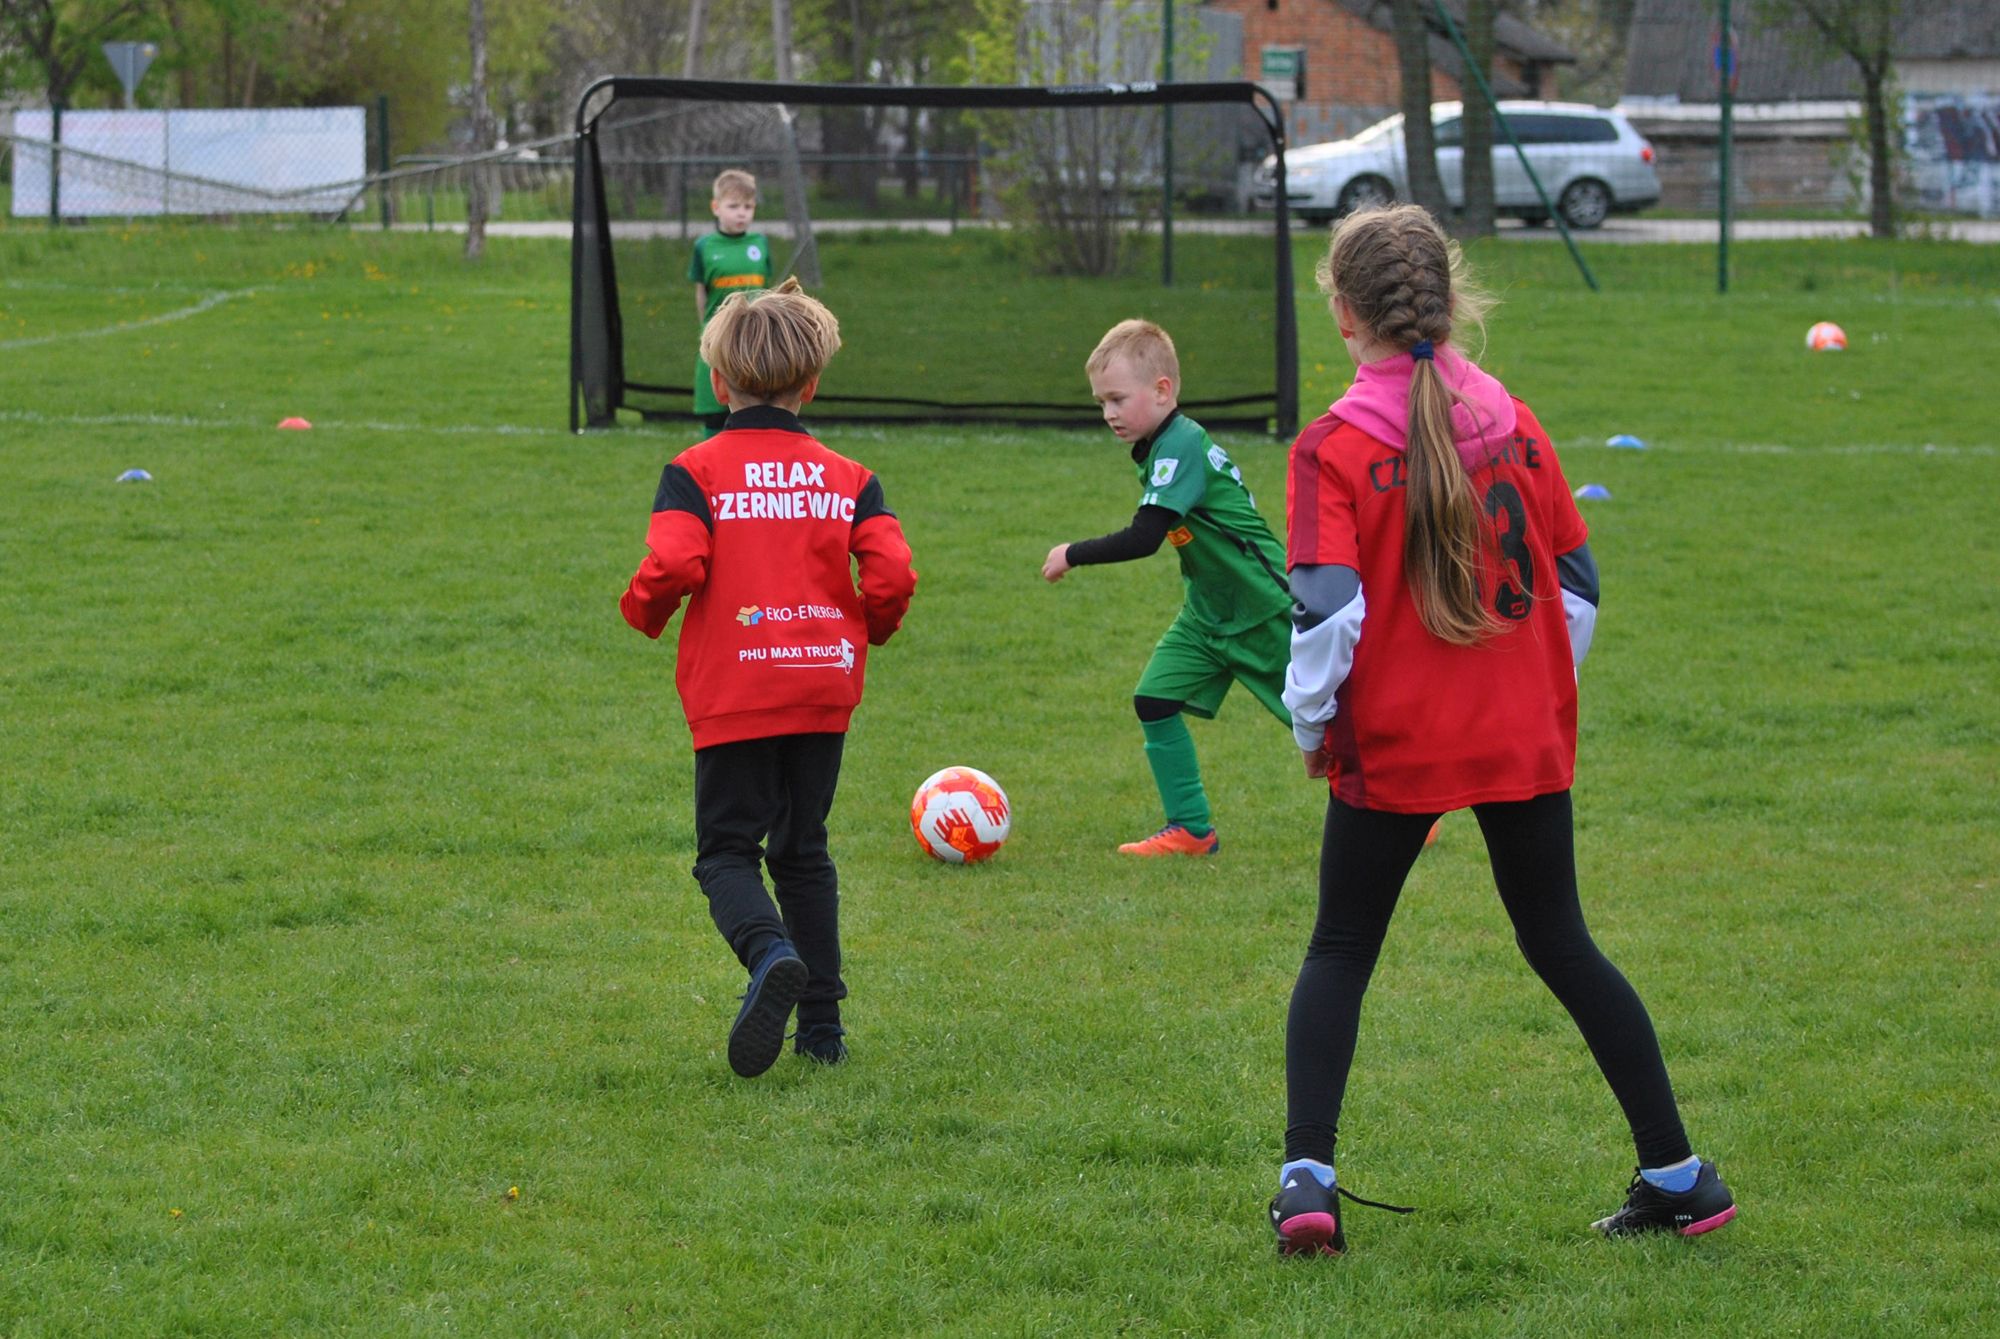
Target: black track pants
780, 788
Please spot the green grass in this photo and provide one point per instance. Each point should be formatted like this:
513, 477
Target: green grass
344, 837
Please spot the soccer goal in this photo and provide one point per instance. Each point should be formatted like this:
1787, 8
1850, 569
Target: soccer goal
973, 241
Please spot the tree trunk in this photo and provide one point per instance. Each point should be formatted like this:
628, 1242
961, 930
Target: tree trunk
1413, 60
477, 205
184, 78
850, 131
1477, 217
781, 38
691, 53
676, 202
1881, 164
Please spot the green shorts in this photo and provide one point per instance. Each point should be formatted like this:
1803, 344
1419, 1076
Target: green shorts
1194, 665
705, 402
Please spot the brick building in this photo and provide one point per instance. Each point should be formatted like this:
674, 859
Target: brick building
1352, 79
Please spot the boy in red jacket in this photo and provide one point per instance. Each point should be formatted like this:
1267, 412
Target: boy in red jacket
756, 526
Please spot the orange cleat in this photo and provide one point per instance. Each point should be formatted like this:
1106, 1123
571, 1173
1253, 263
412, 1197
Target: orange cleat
1173, 839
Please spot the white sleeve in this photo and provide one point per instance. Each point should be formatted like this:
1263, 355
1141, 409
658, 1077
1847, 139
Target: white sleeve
1576, 572
1581, 615
1322, 655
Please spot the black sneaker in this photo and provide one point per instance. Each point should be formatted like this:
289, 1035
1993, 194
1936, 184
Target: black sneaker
758, 1035
1306, 1217
821, 1042
1690, 1213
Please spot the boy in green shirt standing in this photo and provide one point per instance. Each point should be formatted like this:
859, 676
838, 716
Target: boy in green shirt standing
1235, 624
732, 259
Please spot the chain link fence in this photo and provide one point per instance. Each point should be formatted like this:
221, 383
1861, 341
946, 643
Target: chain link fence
1798, 138
1798, 152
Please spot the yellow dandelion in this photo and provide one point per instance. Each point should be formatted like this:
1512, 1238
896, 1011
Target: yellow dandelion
513, 1192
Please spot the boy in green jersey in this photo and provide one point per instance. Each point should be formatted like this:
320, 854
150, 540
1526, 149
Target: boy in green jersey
732, 259
1235, 623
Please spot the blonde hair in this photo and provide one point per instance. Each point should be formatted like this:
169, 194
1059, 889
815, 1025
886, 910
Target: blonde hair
732, 182
1407, 282
1148, 348
770, 346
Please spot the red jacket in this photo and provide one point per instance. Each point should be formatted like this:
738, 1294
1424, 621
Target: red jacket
757, 525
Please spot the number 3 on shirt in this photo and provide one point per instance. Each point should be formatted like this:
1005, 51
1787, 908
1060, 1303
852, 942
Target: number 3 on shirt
1510, 600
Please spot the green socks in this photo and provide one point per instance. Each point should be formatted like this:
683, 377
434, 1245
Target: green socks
1170, 753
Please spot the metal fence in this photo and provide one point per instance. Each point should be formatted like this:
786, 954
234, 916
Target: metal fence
1796, 149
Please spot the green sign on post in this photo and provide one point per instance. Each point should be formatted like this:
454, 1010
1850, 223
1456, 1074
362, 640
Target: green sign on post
1283, 72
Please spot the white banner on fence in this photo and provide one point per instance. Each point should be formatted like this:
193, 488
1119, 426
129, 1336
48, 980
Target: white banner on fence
272, 160
1953, 140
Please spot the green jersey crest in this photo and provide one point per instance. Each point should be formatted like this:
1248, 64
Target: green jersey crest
1232, 567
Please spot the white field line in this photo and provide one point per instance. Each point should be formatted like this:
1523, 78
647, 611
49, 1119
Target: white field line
1781, 449
213, 300
72, 286
36, 419
876, 432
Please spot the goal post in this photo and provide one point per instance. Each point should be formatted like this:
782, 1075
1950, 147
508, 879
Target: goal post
974, 242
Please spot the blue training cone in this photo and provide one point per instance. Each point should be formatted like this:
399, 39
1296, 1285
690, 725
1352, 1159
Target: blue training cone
135, 477
1594, 493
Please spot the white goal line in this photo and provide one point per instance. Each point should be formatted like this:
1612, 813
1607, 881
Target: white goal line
208, 303
878, 432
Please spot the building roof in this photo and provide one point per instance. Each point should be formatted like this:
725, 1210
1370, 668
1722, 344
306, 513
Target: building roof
1671, 52
1961, 30
1516, 41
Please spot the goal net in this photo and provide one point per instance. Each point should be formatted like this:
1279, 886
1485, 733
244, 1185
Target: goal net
975, 242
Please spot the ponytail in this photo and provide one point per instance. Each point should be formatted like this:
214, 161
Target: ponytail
1406, 282
1442, 537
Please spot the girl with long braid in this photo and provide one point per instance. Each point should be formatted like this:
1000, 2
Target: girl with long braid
1444, 598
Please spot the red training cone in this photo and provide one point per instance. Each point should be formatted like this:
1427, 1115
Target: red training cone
295, 423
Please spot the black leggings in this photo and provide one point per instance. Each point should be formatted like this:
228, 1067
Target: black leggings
1365, 857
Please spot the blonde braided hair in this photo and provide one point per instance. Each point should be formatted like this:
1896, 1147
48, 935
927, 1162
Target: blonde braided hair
1406, 282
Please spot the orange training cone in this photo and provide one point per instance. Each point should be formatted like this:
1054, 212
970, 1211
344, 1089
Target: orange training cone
297, 424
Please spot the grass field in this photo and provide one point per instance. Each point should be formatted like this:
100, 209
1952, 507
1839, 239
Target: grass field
353, 980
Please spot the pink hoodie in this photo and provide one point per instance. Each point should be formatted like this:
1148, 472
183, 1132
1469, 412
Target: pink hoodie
1378, 403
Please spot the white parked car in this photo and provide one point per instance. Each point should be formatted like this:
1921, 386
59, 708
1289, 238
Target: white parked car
1590, 161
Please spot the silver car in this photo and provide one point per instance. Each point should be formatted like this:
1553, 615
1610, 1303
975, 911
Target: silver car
1589, 160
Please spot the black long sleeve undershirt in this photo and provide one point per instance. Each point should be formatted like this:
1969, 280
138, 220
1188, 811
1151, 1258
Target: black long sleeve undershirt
1141, 539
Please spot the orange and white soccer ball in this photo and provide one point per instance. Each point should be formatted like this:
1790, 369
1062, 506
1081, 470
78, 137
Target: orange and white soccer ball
1825, 337
960, 816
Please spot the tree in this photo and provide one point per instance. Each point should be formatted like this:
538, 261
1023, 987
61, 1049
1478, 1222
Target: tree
1413, 59
889, 41
1476, 218
58, 40
1074, 179
1865, 32
1596, 30
478, 183
317, 53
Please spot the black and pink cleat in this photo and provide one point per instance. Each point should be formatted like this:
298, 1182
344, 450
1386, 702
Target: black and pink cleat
1306, 1217
1703, 1208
